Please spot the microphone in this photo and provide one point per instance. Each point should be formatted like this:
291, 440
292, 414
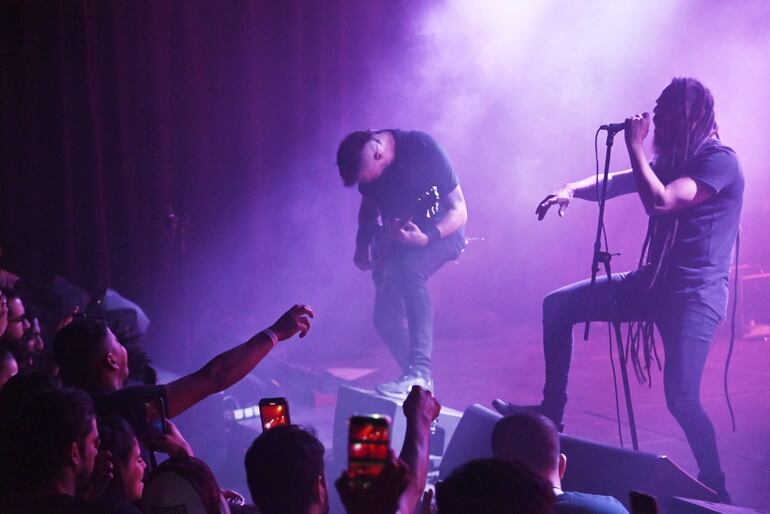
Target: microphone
613, 127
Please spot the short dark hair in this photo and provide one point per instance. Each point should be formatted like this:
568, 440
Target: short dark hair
528, 437
117, 437
349, 155
494, 486
196, 473
20, 391
282, 465
40, 444
74, 349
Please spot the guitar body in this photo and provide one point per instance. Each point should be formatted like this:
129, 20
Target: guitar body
385, 246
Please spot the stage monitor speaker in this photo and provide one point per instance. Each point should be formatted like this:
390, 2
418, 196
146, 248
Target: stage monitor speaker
471, 440
591, 467
351, 400
691, 506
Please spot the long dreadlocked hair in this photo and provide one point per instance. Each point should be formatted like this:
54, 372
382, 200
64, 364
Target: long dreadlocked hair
690, 124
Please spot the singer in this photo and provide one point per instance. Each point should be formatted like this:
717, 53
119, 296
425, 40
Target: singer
692, 191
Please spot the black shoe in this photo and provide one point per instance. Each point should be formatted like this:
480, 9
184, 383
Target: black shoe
506, 408
717, 483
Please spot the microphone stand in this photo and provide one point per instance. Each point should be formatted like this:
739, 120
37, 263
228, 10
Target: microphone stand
604, 257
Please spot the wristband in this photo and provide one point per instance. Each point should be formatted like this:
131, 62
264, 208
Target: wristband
433, 233
273, 338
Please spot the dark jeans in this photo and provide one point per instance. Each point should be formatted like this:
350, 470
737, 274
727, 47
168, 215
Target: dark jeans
686, 327
403, 312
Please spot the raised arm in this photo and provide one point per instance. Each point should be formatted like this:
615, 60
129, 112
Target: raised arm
420, 409
656, 197
229, 367
618, 183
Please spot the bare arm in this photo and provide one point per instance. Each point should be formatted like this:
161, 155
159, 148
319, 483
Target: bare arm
618, 183
656, 197
455, 217
456, 213
229, 367
420, 409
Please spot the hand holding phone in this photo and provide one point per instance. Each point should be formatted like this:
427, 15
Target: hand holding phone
274, 412
381, 495
155, 418
368, 447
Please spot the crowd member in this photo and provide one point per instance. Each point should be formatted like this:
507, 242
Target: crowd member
21, 337
128, 467
91, 358
184, 484
285, 472
533, 439
49, 460
8, 366
494, 486
285, 467
3, 313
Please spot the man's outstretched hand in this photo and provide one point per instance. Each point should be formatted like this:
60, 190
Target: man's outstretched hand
296, 319
560, 197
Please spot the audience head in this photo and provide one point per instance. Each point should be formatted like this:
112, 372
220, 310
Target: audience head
494, 486
90, 356
20, 391
18, 323
118, 438
8, 366
54, 446
21, 337
184, 481
285, 472
533, 439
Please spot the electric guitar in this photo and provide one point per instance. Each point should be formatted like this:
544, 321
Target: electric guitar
384, 243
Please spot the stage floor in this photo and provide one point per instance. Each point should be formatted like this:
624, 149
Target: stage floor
510, 365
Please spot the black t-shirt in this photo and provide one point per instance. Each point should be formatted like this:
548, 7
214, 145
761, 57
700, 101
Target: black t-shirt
419, 164
698, 263
129, 403
571, 502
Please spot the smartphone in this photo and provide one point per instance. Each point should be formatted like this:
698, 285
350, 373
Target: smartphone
274, 412
368, 447
155, 417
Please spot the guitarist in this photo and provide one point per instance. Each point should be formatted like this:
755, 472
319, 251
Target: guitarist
393, 169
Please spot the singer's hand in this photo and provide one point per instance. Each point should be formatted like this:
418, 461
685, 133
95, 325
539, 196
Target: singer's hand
637, 128
560, 197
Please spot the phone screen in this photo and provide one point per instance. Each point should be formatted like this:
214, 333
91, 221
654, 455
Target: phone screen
273, 412
155, 416
368, 447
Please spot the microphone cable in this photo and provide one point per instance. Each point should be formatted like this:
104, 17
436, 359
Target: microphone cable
732, 328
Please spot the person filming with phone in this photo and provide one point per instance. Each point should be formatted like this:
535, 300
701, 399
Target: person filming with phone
91, 358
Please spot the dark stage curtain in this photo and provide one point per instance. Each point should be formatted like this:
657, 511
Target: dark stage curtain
116, 114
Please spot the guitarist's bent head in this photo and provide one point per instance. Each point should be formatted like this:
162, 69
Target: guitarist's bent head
362, 156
